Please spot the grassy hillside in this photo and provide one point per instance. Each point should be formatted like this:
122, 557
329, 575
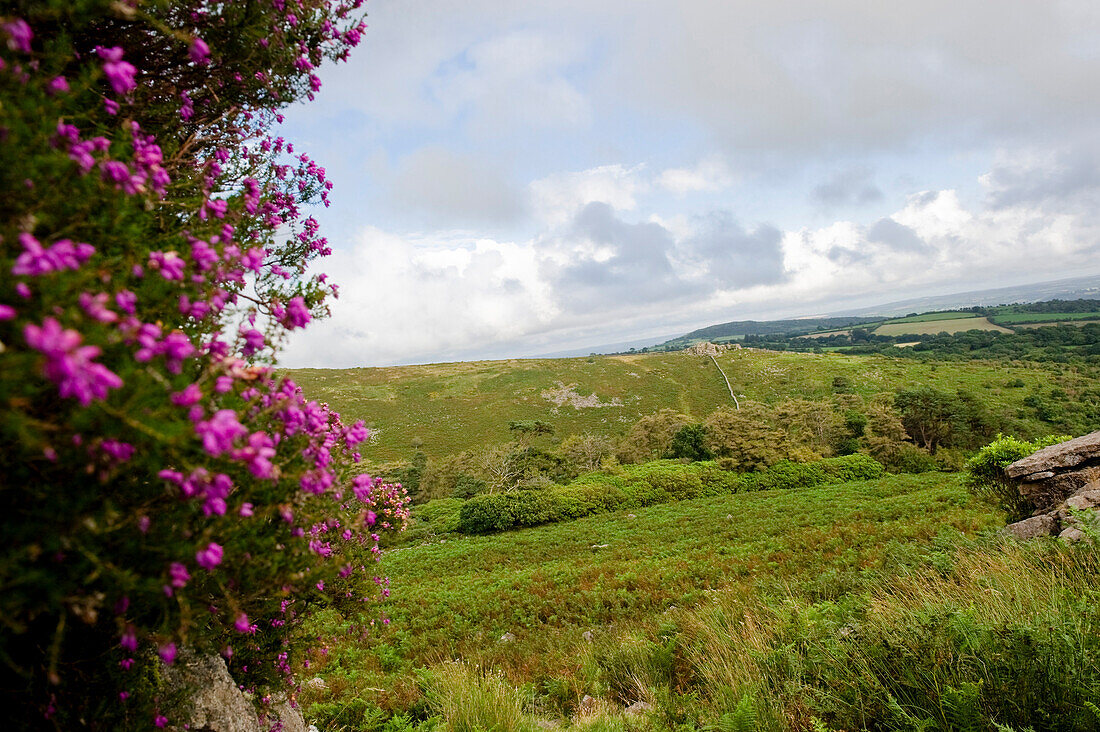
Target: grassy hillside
822, 603
456, 406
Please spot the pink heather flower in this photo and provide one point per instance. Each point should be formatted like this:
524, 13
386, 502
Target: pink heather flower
219, 432
297, 314
188, 396
126, 301
246, 510
160, 721
58, 85
123, 695
128, 641
170, 264
187, 110
178, 575
119, 73
258, 454
19, 35
119, 451
253, 341
241, 624
209, 557
70, 365
111, 106
199, 52
7, 312
167, 653
357, 433
35, 260
96, 307
143, 524
223, 384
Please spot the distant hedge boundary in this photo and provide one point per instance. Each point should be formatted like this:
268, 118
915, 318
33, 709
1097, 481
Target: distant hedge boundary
636, 486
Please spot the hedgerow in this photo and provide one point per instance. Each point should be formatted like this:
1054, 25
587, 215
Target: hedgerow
162, 487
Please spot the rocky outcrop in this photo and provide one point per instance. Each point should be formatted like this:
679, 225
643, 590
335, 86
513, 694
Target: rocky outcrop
1057, 481
216, 703
706, 348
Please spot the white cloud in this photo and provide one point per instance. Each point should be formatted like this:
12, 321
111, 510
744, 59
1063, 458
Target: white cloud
711, 174
558, 197
444, 296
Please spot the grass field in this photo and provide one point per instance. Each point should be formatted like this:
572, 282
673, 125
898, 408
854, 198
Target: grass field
621, 577
929, 317
931, 327
456, 406
1028, 318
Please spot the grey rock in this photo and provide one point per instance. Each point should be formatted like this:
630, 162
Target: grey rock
1063, 455
317, 684
1030, 528
600, 546
217, 704
507, 637
639, 707
630, 515
587, 706
1072, 534
1039, 476
587, 635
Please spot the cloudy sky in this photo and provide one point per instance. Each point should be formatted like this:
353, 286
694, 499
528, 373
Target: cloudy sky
516, 178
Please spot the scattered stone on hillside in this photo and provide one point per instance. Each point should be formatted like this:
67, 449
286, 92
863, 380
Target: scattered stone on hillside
630, 515
600, 546
217, 704
706, 348
639, 707
317, 684
1032, 527
561, 395
587, 635
508, 637
1057, 481
587, 706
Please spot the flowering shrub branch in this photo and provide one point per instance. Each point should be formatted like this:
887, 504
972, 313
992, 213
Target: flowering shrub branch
162, 485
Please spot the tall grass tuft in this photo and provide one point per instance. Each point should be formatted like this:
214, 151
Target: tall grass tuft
472, 700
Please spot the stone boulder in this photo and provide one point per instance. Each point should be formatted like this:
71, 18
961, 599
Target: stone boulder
1057, 481
216, 703
706, 348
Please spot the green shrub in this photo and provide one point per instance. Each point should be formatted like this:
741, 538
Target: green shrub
786, 475
856, 466
986, 477
484, 514
442, 514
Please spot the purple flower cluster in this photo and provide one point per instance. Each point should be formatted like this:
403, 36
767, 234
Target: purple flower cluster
69, 364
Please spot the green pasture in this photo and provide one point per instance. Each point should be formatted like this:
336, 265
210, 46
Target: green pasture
1027, 318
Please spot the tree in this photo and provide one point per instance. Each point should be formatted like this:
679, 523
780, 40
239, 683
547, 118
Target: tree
690, 442
651, 437
585, 452
163, 486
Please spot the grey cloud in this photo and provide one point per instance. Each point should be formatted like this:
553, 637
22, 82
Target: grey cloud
1064, 176
734, 257
896, 236
851, 186
447, 189
638, 271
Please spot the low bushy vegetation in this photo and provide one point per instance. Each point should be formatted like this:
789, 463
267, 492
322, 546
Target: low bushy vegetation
637, 486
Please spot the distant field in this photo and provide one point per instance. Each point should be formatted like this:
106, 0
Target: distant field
928, 317
1022, 318
458, 406
1020, 326
931, 327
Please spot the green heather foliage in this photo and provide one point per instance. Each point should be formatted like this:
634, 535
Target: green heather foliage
649, 484
986, 477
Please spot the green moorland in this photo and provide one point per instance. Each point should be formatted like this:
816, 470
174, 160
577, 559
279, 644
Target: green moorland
456, 406
864, 605
937, 325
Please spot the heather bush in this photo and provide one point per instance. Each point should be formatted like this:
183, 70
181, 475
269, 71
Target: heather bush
163, 487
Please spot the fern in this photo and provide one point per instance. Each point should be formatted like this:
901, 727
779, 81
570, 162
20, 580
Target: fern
742, 719
961, 707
